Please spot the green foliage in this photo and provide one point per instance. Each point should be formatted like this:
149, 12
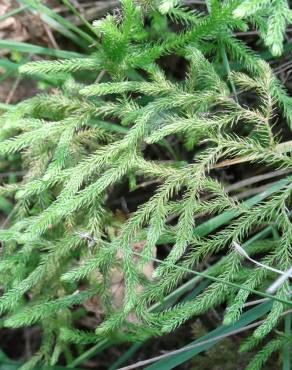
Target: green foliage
95, 133
272, 16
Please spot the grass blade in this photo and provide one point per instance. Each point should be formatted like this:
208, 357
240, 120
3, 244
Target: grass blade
24, 47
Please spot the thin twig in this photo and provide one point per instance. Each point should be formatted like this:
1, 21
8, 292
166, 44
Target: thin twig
255, 302
13, 90
280, 148
250, 192
254, 179
100, 76
50, 35
282, 66
8, 218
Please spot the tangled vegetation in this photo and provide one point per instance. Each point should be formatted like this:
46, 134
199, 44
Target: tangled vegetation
100, 131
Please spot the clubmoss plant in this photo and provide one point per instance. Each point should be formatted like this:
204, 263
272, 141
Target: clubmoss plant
95, 133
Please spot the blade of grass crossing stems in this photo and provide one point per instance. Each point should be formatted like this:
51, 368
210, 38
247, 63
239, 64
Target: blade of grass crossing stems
247, 318
24, 47
227, 282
